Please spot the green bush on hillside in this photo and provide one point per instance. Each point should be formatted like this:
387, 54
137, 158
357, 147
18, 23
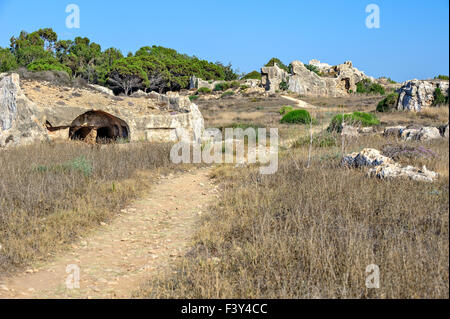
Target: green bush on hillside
280, 64
252, 75
355, 118
389, 103
312, 68
297, 117
367, 86
204, 90
439, 98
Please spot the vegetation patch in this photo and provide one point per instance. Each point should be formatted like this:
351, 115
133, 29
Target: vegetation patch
297, 117
227, 94
252, 75
389, 103
439, 98
369, 87
204, 90
355, 118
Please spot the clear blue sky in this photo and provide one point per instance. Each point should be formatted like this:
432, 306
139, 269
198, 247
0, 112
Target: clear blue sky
412, 41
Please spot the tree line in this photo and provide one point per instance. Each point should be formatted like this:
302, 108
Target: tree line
151, 68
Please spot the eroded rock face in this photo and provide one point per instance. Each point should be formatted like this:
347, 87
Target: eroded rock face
272, 76
418, 94
385, 167
337, 80
18, 122
155, 117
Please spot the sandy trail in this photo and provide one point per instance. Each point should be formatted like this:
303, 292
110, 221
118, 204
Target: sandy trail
145, 239
300, 103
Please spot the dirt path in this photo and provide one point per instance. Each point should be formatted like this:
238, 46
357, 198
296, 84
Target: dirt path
300, 103
115, 259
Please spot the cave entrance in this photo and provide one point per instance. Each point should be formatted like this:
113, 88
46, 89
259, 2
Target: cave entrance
98, 127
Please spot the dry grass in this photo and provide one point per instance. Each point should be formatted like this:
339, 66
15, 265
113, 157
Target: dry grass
51, 194
311, 233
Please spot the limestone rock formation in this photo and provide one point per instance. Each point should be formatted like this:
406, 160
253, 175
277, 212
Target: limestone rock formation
42, 111
424, 133
418, 94
272, 76
334, 81
101, 89
385, 167
396, 170
18, 122
367, 157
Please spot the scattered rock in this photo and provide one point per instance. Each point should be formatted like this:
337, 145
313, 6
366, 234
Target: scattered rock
385, 167
396, 170
367, 157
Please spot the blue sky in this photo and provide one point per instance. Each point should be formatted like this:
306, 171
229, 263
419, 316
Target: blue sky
412, 41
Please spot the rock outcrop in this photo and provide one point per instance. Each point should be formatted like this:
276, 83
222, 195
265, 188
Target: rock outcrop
385, 167
18, 122
416, 95
334, 81
39, 110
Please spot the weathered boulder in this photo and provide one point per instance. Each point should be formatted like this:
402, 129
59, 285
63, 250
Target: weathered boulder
418, 94
18, 122
425, 133
367, 157
412, 133
101, 89
395, 170
386, 167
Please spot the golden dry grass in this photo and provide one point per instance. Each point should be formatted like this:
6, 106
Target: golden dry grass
311, 233
51, 194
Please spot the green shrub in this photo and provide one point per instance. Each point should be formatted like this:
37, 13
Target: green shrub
227, 94
367, 86
252, 75
312, 68
439, 98
49, 64
442, 77
388, 103
297, 116
355, 118
222, 86
204, 90
280, 64
235, 84
7, 60
285, 109
194, 97
244, 87
284, 86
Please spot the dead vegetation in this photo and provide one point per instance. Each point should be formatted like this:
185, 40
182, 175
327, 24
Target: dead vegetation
311, 232
51, 194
